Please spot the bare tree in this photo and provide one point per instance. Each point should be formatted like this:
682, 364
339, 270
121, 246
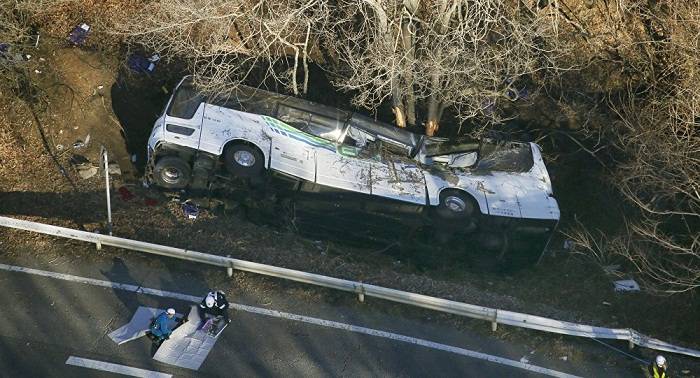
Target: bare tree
645, 55
433, 55
223, 41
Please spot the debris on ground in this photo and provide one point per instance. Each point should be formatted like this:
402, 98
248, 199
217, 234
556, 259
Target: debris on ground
190, 209
142, 64
114, 169
83, 166
125, 194
79, 34
87, 172
626, 285
80, 144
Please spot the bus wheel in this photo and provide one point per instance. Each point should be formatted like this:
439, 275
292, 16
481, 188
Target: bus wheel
244, 160
172, 172
455, 204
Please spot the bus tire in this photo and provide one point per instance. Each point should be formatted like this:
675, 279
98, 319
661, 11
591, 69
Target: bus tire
455, 204
244, 160
172, 172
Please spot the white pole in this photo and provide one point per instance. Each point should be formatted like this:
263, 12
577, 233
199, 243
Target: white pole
109, 204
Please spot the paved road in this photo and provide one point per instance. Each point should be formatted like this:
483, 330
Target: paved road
46, 320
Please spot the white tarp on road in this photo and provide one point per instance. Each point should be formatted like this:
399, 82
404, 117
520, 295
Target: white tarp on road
188, 347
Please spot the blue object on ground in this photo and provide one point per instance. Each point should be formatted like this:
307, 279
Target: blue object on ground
140, 63
79, 34
191, 210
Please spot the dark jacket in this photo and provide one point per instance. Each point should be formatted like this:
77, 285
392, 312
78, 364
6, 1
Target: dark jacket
220, 307
657, 372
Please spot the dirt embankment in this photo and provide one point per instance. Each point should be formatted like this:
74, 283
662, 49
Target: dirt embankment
90, 94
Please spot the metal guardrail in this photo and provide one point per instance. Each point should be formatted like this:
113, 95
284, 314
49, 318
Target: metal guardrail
495, 316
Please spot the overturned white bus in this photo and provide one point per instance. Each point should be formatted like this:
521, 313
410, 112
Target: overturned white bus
467, 185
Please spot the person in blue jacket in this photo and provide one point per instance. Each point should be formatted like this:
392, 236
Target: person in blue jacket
160, 327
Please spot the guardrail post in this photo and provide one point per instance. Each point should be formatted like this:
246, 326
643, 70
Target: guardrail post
494, 322
361, 293
98, 245
109, 204
229, 270
630, 344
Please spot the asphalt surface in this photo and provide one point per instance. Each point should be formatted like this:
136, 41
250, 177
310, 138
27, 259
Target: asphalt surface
45, 320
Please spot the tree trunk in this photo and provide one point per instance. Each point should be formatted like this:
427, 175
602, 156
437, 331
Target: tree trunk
399, 113
435, 106
410, 98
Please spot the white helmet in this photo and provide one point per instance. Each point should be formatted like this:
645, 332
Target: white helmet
660, 361
209, 301
170, 311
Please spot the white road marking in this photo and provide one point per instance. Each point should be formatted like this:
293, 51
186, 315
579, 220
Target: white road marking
114, 368
295, 317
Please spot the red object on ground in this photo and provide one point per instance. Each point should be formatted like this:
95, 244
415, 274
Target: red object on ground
125, 194
150, 201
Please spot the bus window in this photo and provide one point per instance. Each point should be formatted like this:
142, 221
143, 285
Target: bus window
293, 117
185, 102
314, 124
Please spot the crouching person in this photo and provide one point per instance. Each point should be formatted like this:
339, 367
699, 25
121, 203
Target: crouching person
160, 328
214, 305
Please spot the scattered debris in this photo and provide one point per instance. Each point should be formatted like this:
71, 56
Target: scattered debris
125, 194
612, 269
606, 303
568, 244
59, 147
190, 209
80, 161
87, 172
78, 36
140, 63
524, 360
626, 285
114, 169
83, 166
37, 71
78, 144
133, 158
564, 358
685, 372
